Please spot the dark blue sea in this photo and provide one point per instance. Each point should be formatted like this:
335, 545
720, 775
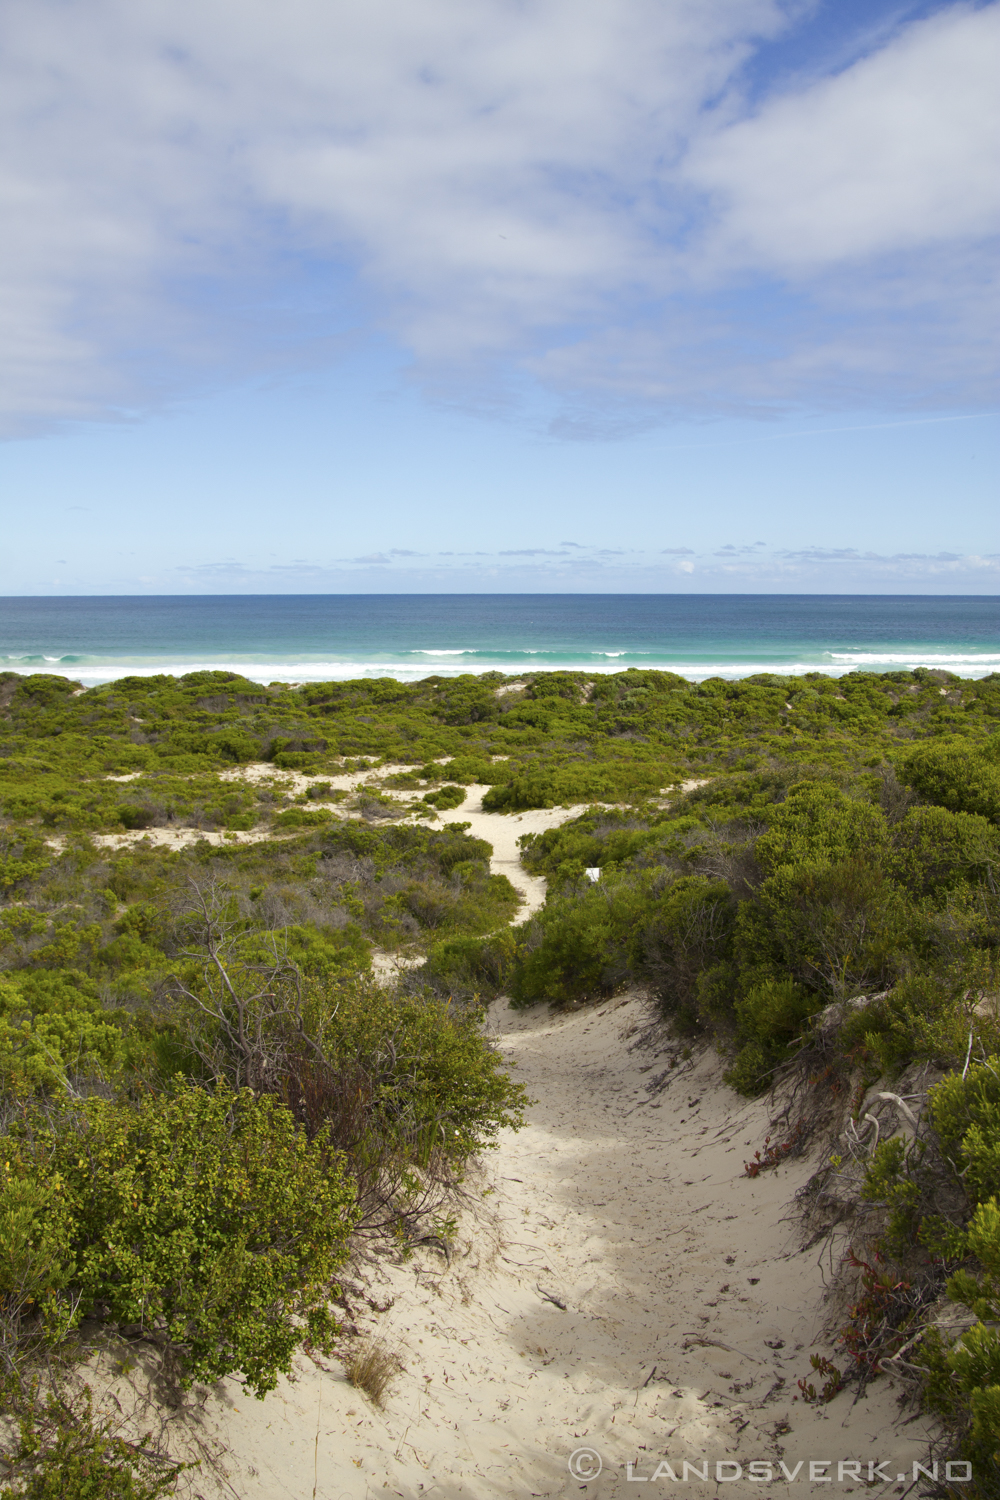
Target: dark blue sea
315, 637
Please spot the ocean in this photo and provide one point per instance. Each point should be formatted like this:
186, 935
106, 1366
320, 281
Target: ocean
316, 637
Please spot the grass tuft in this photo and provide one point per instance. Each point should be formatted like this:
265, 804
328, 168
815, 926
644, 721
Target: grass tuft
372, 1366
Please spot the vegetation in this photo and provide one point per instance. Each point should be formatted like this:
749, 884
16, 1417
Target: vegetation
371, 1366
753, 902
208, 1098
562, 738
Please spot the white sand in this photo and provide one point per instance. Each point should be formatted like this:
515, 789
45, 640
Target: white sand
500, 829
628, 1203
505, 829
624, 1198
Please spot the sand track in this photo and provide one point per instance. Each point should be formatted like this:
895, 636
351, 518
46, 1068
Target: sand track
689, 1312
501, 830
688, 1317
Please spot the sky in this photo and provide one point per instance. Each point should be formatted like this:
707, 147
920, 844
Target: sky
499, 295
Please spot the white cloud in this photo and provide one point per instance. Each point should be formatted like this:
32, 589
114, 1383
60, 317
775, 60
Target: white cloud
195, 192
899, 152
605, 570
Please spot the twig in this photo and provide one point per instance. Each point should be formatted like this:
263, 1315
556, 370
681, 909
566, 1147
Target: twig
907, 1111
909, 1345
551, 1297
968, 1054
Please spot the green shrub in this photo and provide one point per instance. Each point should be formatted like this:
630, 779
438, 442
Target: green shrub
964, 1383
465, 770
295, 760
840, 928
966, 1116
446, 797
569, 962
603, 837
323, 953
770, 1020
891, 1179
818, 823
576, 947
957, 775
22, 858
561, 785
920, 1019
936, 850
301, 817
685, 934
53, 1027
397, 1075
204, 1220
63, 1452
467, 966
324, 791
434, 1079
136, 817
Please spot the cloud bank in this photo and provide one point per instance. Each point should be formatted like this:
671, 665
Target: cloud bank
733, 568
560, 192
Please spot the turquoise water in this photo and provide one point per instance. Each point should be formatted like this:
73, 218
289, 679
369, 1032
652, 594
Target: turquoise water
310, 637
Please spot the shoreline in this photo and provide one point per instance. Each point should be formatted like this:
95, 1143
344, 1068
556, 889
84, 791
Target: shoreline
299, 673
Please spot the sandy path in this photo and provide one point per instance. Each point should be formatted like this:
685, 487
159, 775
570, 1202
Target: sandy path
625, 1199
502, 830
689, 1317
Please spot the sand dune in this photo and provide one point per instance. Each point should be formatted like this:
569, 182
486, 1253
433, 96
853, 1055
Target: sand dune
625, 1289
623, 1292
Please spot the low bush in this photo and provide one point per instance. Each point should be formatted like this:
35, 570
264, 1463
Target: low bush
137, 817
964, 1376
964, 1384
63, 1451
446, 797
771, 1019
22, 859
468, 967
921, 1019
54, 1033
302, 817
966, 1115
683, 945
432, 1073
955, 774
577, 946
204, 1220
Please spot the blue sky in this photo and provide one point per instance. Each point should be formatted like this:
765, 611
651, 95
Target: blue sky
684, 295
